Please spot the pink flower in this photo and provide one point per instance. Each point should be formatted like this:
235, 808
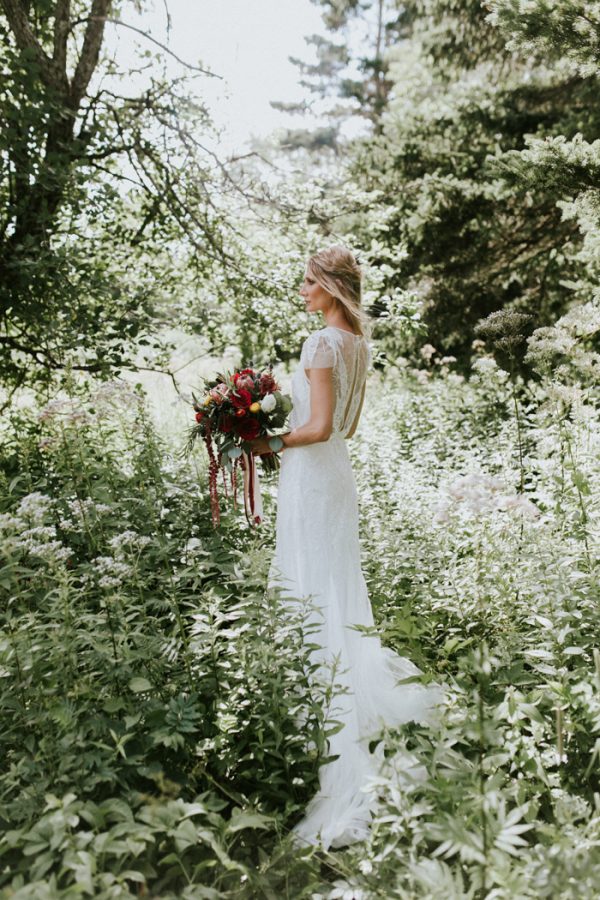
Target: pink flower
216, 395
245, 382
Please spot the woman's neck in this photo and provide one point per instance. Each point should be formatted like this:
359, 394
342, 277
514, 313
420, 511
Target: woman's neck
338, 322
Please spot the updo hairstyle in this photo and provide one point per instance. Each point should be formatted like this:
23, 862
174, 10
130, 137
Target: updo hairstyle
338, 272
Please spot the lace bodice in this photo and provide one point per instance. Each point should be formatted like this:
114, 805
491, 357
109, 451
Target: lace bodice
350, 357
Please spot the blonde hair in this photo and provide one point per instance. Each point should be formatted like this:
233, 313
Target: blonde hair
338, 272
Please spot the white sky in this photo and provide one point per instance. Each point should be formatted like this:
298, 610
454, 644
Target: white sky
246, 41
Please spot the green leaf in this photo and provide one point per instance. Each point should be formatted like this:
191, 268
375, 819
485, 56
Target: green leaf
138, 685
241, 819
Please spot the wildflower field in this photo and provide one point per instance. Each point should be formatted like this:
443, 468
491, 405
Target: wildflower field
150, 686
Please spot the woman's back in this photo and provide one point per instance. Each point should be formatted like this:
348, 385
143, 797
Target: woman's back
350, 356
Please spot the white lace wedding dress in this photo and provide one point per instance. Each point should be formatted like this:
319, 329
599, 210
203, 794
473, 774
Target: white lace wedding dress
318, 555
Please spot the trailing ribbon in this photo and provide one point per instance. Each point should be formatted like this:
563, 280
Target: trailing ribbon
252, 498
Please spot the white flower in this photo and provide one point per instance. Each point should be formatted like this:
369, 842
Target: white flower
485, 364
128, 540
111, 571
82, 511
422, 376
427, 351
440, 513
268, 403
484, 493
519, 502
53, 551
192, 545
34, 507
10, 523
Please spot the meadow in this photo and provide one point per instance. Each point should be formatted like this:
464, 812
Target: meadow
151, 687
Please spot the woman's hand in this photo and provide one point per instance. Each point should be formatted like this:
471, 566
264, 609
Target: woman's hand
260, 445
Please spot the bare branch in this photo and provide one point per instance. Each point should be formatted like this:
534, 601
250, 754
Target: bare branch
171, 375
163, 47
90, 51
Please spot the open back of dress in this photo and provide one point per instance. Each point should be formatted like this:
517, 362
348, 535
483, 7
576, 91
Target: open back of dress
350, 356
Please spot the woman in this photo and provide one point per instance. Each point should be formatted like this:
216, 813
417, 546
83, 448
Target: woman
318, 552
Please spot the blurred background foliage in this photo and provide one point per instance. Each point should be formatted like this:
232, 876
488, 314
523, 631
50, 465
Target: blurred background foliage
473, 189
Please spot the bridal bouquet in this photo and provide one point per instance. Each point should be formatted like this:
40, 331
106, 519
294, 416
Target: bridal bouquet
237, 407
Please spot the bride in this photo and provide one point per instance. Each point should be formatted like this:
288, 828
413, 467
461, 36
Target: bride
317, 552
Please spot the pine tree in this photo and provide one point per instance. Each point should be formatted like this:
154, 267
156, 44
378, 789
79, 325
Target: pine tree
350, 76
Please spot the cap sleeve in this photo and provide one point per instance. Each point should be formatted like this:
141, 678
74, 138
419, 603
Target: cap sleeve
318, 351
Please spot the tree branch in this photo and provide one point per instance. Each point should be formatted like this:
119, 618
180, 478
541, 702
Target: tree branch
153, 40
166, 49
62, 24
43, 356
26, 39
90, 51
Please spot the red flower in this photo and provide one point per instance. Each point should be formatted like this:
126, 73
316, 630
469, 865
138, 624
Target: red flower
199, 416
226, 423
267, 384
248, 428
240, 412
243, 398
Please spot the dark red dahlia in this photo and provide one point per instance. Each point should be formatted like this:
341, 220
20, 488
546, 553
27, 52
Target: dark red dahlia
226, 423
248, 428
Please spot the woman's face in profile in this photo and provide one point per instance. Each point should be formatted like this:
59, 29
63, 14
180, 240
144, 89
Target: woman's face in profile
315, 297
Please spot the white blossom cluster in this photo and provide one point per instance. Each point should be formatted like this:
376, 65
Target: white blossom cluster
34, 507
102, 403
486, 367
25, 531
565, 341
481, 493
128, 542
111, 572
82, 511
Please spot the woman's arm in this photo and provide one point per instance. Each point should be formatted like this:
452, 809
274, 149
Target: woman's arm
320, 424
